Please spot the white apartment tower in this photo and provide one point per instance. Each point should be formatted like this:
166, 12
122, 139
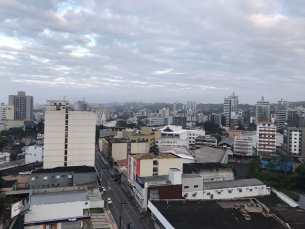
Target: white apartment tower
69, 138
100, 112
230, 106
262, 111
266, 138
282, 114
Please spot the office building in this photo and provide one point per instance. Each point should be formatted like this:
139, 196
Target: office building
23, 105
100, 112
230, 107
282, 111
266, 138
155, 121
180, 121
69, 137
262, 111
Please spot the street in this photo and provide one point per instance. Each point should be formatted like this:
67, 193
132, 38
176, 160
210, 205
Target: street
130, 213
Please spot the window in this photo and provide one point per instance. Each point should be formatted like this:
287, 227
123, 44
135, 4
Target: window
57, 177
69, 176
154, 194
52, 185
33, 186
155, 169
195, 186
155, 162
240, 190
250, 190
52, 176
208, 193
63, 175
42, 186
45, 177
186, 186
33, 178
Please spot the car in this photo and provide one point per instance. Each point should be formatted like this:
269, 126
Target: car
130, 226
109, 201
103, 189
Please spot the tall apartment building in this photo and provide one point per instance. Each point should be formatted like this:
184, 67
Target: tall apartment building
180, 121
100, 112
190, 105
164, 112
282, 114
294, 137
23, 105
243, 145
177, 106
262, 111
6, 112
81, 106
266, 138
69, 137
230, 107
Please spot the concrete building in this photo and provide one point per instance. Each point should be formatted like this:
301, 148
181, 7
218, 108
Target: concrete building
100, 112
146, 165
61, 209
118, 149
209, 172
266, 138
33, 154
205, 141
234, 133
190, 105
282, 111
181, 152
177, 106
164, 112
230, 106
221, 190
146, 134
155, 121
69, 137
210, 154
294, 137
81, 105
23, 105
180, 121
243, 145
172, 142
7, 112
62, 177
262, 111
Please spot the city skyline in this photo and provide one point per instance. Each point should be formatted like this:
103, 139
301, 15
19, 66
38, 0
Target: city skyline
157, 51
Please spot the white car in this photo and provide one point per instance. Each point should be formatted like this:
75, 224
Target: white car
109, 201
103, 189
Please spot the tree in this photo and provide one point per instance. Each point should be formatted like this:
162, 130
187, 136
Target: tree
40, 127
300, 177
252, 127
121, 123
255, 167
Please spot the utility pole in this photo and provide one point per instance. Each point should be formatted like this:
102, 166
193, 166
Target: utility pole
121, 214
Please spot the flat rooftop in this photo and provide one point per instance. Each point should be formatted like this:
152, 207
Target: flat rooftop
58, 197
197, 167
149, 156
232, 183
75, 169
212, 215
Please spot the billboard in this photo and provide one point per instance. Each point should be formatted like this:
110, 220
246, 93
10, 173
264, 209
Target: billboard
20, 207
140, 181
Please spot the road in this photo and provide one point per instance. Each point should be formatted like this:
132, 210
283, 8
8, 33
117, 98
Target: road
130, 212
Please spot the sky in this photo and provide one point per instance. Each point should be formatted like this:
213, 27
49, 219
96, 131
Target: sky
153, 51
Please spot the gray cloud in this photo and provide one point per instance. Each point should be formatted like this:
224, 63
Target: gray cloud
152, 51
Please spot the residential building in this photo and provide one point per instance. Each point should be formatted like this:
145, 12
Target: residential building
226, 143
69, 137
146, 134
100, 112
146, 165
234, 133
33, 154
180, 121
177, 106
117, 149
243, 145
294, 137
164, 112
181, 152
172, 142
207, 154
81, 106
7, 112
62, 177
262, 111
155, 121
206, 140
230, 106
58, 209
266, 138
209, 172
23, 105
282, 110
190, 105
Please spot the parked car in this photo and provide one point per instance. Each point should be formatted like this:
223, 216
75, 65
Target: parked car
109, 201
103, 189
130, 226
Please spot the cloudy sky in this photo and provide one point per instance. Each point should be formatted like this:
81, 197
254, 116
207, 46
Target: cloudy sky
160, 50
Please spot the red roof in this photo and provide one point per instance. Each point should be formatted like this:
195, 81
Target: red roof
123, 162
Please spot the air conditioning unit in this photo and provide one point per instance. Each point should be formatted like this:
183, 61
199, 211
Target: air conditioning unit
194, 194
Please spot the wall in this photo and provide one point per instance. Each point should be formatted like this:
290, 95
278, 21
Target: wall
23, 181
217, 175
224, 193
33, 154
165, 164
119, 151
52, 180
285, 198
139, 147
189, 183
48, 212
82, 178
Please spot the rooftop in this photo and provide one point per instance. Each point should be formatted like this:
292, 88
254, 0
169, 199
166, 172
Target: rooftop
58, 197
232, 183
153, 179
75, 169
228, 141
123, 162
212, 214
190, 175
21, 168
239, 131
149, 156
182, 152
209, 154
197, 167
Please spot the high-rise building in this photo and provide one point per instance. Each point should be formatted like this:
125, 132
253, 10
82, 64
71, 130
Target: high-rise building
81, 106
177, 106
180, 121
23, 105
294, 137
6, 112
262, 111
69, 137
100, 112
230, 107
282, 114
266, 138
190, 105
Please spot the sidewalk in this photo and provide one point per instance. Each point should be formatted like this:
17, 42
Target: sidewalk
110, 219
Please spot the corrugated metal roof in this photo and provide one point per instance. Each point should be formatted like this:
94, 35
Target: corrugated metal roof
58, 197
231, 183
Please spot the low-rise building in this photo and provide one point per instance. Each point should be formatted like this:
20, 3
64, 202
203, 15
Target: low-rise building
146, 134
181, 152
243, 145
33, 154
172, 142
210, 154
205, 141
234, 133
62, 177
155, 121
209, 172
116, 149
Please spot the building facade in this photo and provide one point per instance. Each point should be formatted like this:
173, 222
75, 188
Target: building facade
262, 111
180, 121
282, 111
266, 138
33, 154
7, 112
23, 105
100, 112
243, 145
230, 107
205, 141
69, 137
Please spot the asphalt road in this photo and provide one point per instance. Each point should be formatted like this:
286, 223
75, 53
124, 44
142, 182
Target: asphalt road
130, 212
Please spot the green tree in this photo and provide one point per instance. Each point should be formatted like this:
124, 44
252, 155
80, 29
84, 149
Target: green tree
40, 126
252, 127
300, 177
255, 167
121, 123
